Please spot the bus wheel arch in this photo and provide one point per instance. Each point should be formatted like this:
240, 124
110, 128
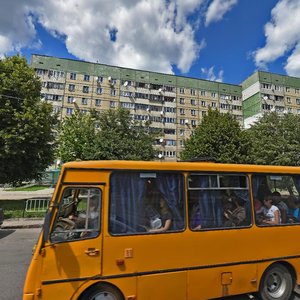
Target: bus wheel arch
277, 282
106, 290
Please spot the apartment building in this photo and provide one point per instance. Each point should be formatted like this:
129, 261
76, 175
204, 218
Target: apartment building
174, 104
265, 92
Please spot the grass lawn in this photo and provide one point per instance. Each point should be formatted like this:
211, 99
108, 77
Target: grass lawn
27, 189
16, 209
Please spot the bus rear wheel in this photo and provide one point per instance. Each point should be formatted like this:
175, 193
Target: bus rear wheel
276, 283
102, 292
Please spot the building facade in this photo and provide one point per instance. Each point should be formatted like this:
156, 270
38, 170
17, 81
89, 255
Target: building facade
265, 92
174, 104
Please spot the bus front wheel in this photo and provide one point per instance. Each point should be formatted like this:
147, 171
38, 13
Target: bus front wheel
276, 283
101, 292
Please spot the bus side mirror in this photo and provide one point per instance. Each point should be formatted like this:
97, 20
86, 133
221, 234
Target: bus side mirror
46, 227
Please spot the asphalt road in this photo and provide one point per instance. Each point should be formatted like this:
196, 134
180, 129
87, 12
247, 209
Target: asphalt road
15, 256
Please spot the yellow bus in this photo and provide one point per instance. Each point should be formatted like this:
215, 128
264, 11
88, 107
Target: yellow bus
132, 230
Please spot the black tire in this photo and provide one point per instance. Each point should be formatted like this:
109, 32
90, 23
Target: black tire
102, 292
276, 283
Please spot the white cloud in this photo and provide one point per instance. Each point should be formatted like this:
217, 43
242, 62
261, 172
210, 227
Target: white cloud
151, 35
210, 74
282, 37
217, 10
16, 26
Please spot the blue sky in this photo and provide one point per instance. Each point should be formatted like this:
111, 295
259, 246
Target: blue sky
223, 40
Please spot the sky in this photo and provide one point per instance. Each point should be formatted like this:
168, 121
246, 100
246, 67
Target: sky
219, 40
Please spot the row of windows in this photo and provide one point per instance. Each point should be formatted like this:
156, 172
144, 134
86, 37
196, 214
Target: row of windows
279, 88
214, 201
152, 202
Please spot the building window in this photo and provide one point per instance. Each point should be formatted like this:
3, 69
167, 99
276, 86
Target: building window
193, 92
73, 76
99, 90
182, 121
113, 92
203, 103
181, 90
193, 112
112, 104
181, 100
84, 101
181, 111
296, 91
71, 99
202, 93
181, 132
69, 111
193, 122
85, 89
193, 102
287, 89
214, 95
98, 102
99, 79
266, 86
71, 87
288, 99
214, 104
86, 77
298, 101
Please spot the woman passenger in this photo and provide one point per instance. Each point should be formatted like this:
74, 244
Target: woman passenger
165, 215
272, 214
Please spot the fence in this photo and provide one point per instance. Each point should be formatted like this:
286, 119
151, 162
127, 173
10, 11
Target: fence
37, 205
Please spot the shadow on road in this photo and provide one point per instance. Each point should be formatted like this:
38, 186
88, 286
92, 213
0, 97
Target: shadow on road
5, 232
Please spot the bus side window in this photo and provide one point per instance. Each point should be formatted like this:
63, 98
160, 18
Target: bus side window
78, 216
146, 202
218, 200
276, 199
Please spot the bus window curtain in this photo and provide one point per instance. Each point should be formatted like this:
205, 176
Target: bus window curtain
244, 194
209, 202
259, 187
171, 187
126, 202
296, 180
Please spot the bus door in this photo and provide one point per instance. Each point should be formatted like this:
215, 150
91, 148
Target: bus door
73, 252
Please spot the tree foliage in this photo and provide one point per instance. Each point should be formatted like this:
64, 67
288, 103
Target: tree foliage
109, 135
275, 140
26, 123
218, 136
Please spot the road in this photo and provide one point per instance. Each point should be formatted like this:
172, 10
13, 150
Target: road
15, 256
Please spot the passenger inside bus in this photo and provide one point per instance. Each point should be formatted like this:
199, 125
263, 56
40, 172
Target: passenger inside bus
293, 204
283, 208
165, 216
272, 213
237, 216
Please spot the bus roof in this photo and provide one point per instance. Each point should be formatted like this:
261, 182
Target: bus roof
178, 166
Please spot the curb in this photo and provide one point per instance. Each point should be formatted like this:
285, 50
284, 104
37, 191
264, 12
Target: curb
21, 226
22, 223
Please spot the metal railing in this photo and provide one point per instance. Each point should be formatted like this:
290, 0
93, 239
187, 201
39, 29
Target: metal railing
37, 205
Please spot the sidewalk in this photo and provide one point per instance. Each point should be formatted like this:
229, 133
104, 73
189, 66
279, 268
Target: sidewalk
23, 222
13, 195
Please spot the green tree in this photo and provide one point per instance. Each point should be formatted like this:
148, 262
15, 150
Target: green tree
275, 140
26, 123
76, 138
109, 135
218, 136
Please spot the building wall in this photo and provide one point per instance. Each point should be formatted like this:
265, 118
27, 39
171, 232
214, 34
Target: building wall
264, 92
174, 104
